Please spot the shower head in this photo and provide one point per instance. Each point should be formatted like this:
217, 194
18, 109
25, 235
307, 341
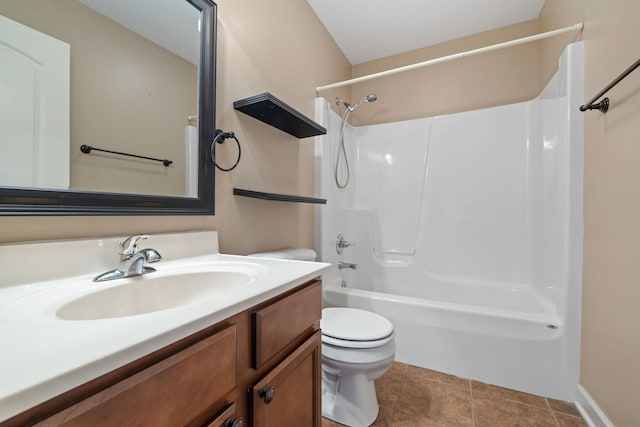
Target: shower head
368, 98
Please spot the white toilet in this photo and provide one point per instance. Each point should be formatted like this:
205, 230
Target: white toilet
357, 347
300, 254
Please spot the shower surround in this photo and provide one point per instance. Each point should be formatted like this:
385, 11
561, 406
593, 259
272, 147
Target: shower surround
468, 234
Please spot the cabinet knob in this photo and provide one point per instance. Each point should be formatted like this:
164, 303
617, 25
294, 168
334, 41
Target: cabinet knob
267, 394
238, 422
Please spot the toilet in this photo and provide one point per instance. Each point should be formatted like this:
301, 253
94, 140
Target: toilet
357, 347
300, 254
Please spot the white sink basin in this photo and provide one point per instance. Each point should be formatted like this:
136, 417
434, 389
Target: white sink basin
151, 293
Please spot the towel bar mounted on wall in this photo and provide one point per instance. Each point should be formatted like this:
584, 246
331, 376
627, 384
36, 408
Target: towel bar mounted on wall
86, 149
604, 104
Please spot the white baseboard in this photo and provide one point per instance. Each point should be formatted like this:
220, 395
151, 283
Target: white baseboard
590, 410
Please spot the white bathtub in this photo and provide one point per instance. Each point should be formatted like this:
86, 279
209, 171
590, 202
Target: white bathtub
511, 348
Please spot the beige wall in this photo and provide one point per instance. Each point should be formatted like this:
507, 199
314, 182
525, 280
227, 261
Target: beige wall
277, 46
127, 94
499, 77
610, 365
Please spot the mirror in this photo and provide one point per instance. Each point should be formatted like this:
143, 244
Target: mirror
147, 89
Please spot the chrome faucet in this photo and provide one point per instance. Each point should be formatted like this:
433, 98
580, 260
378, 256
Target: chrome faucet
132, 260
343, 265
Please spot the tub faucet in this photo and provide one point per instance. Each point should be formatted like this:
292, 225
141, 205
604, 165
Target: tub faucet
132, 260
343, 265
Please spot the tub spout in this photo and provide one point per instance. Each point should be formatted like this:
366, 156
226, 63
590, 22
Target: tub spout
343, 265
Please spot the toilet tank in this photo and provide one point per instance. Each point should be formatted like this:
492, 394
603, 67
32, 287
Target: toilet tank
300, 254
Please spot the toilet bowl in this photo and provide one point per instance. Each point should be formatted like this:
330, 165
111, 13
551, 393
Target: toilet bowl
357, 347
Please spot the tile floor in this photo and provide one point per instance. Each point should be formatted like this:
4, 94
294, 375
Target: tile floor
414, 397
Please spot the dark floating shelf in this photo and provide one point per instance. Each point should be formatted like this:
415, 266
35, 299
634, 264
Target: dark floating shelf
277, 197
270, 110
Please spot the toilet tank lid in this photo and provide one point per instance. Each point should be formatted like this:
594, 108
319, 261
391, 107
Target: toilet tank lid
301, 254
353, 324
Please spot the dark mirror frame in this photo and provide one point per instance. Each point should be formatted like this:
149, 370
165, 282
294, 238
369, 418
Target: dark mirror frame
24, 202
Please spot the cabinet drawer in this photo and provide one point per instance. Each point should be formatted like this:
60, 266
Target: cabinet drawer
282, 322
168, 393
226, 418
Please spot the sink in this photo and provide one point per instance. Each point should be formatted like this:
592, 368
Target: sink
152, 293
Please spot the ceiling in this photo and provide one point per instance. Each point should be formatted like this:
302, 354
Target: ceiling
370, 29
168, 23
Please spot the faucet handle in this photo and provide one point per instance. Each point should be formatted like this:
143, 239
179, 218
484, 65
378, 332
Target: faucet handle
130, 244
341, 244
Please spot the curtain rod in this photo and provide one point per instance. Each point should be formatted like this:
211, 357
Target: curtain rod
576, 27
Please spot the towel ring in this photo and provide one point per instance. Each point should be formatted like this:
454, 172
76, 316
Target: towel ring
220, 138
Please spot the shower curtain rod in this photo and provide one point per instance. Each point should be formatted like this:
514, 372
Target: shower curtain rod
576, 27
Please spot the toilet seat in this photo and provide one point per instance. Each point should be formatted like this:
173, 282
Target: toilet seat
354, 328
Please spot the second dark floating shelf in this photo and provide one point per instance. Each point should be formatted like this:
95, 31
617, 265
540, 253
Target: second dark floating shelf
277, 197
270, 110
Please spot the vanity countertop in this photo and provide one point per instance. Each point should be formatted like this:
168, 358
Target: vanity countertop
44, 356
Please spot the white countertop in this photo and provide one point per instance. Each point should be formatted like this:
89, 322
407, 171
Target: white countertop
43, 356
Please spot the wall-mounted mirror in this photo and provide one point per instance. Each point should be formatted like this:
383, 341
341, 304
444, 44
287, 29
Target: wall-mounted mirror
132, 80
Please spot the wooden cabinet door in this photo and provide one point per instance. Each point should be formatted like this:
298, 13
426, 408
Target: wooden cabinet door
289, 395
169, 393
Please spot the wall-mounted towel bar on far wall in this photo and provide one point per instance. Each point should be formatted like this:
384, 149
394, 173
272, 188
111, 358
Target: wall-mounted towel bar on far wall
604, 104
86, 149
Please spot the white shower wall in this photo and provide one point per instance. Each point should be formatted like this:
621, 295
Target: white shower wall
480, 209
474, 198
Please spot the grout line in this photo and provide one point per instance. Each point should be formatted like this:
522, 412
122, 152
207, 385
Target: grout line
400, 390
496, 396
553, 414
473, 410
444, 382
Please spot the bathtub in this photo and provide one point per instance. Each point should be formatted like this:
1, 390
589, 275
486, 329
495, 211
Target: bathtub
502, 344
466, 230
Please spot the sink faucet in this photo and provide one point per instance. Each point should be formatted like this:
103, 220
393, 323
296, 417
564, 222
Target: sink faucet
132, 260
343, 265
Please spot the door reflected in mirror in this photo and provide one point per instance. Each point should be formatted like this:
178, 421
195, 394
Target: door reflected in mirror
117, 75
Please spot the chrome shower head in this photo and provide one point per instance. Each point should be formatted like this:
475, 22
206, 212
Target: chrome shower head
368, 98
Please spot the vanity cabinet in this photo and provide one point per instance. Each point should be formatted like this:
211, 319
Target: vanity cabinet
261, 365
